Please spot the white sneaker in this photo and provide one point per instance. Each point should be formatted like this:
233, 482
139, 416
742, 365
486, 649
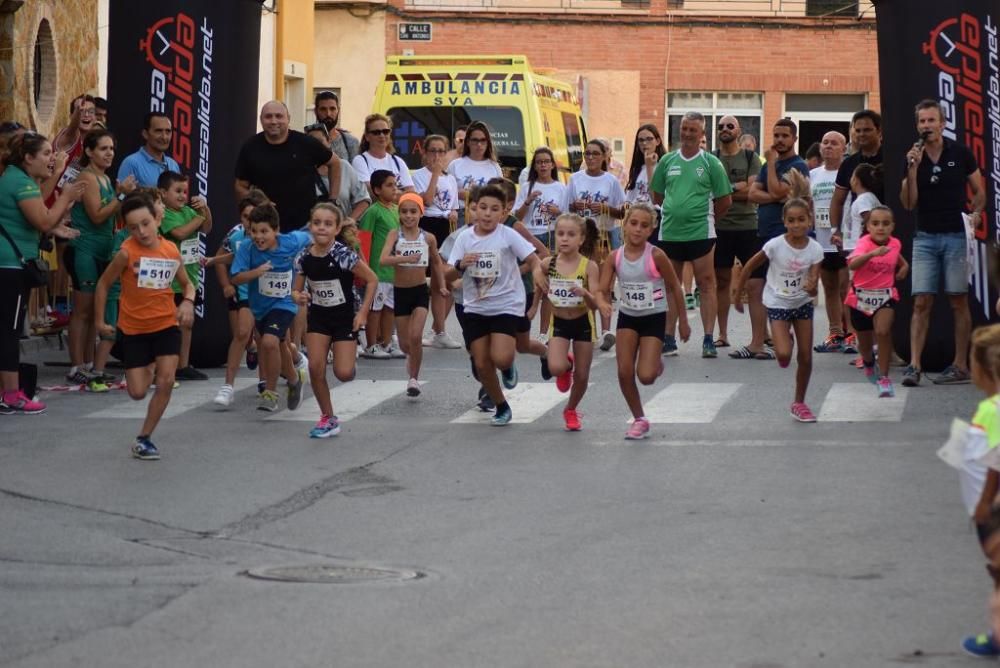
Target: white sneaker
394, 350
543, 339
225, 396
303, 363
376, 352
413, 388
442, 340
428, 339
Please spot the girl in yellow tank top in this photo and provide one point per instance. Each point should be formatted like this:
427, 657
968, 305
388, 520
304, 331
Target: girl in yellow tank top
573, 280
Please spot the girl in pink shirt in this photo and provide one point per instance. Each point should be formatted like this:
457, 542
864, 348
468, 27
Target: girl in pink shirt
876, 265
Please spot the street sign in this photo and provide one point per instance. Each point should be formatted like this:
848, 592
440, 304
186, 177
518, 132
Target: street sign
415, 32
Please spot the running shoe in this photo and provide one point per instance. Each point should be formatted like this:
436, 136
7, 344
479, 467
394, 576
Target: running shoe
485, 402
252, 359
983, 645
850, 345
78, 377
303, 364
607, 341
543, 339
189, 373
509, 377
503, 417
708, 350
801, 412
326, 427
870, 374
144, 449
376, 352
295, 391
911, 376
261, 386
952, 375
395, 352
572, 420
413, 388
832, 344
19, 404
445, 342
669, 346
267, 401
97, 385
564, 381
428, 340
689, 301
546, 374
225, 396
885, 388
638, 430
106, 378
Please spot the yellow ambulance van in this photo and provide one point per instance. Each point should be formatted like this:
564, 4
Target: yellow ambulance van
425, 95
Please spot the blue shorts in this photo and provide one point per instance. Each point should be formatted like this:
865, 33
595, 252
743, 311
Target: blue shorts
937, 255
804, 312
275, 323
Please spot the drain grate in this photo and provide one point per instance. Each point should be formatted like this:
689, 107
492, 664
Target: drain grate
333, 574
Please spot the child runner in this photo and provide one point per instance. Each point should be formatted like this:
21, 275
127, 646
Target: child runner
184, 225
237, 298
876, 265
379, 220
267, 264
331, 268
644, 275
792, 276
409, 250
865, 180
146, 266
488, 255
573, 280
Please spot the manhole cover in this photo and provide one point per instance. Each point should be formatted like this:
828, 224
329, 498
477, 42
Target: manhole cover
327, 574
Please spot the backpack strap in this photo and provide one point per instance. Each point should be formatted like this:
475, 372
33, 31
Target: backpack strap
651, 269
617, 257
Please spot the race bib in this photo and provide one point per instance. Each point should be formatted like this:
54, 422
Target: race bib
789, 283
156, 273
487, 265
327, 293
416, 247
539, 217
68, 176
870, 301
276, 284
822, 219
637, 295
191, 251
561, 292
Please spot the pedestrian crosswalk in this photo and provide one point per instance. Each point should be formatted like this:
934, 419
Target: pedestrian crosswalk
676, 403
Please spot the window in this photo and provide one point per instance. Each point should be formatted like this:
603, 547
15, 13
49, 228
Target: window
574, 140
43, 74
831, 8
748, 109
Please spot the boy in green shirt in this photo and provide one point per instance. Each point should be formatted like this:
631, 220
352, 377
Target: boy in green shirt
378, 220
184, 225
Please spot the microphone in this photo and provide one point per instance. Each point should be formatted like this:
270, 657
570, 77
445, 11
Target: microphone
924, 136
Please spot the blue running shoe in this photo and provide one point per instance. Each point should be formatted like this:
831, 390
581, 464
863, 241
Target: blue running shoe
326, 427
982, 645
509, 377
145, 450
669, 346
503, 417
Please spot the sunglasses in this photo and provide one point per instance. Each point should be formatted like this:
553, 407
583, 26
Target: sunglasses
476, 140
727, 126
592, 154
383, 131
317, 127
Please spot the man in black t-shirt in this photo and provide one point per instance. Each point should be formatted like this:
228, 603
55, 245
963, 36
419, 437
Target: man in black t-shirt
936, 173
282, 163
866, 131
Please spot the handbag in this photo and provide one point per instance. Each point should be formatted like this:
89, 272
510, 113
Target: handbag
36, 270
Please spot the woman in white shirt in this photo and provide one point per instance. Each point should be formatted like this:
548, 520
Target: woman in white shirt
646, 153
477, 165
377, 153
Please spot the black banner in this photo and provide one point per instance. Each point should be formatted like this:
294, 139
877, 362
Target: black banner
946, 51
196, 61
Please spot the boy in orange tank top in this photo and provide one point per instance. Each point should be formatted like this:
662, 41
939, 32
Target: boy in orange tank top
148, 318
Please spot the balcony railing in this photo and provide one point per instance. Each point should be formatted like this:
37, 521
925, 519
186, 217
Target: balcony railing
749, 8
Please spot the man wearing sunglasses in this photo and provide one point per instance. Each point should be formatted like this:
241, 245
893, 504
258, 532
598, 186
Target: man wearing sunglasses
937, 173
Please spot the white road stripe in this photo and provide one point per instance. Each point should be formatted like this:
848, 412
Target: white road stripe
689, 402
528, 402
859, 402
190, 395
349, 400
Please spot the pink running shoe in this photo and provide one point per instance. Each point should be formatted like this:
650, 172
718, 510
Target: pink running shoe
801, 412
638, 430
564, 381
19, 403
572, 419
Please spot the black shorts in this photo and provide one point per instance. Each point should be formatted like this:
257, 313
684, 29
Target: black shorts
523, 324
234, 303
477, 326
833, 261
439, 227
574, 329
339, 327
732, 245
408, 300
862, 322
654, 324
275, 322
688, 251
139, 350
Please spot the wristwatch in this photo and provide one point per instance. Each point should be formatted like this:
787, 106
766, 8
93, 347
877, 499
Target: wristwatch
121, 197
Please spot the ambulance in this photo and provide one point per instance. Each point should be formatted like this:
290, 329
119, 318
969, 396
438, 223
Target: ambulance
425, 95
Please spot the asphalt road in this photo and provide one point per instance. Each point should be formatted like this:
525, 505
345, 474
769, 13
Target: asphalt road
733, 537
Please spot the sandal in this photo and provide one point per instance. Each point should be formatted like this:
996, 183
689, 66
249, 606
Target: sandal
766, 354
721, 343
742, 353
